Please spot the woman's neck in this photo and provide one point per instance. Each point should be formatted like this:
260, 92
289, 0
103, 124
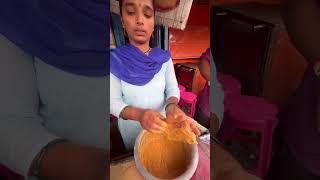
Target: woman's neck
143, 47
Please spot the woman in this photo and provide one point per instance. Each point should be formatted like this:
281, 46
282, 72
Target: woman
53, 90
299, 154
203, 110
143, 84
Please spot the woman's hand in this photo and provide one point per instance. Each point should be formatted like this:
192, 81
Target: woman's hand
70, 161
215, 123
152, 120
173, 111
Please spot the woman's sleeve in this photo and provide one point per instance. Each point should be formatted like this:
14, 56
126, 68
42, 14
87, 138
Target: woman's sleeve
22, 134
172, 89
116, 101
216, 93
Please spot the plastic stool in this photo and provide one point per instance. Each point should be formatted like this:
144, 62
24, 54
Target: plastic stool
231, 88
188, 102
181, 88
256, 115
230, 85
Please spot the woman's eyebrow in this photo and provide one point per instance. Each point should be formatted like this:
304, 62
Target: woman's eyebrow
129, 4
147, 7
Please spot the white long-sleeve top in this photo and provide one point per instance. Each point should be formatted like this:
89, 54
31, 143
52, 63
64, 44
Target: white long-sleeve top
153, 95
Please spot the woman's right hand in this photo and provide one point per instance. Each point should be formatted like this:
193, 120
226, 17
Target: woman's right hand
152, 120
71, 161
215, 123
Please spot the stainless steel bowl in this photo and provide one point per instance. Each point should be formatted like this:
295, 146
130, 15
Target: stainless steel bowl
186, 175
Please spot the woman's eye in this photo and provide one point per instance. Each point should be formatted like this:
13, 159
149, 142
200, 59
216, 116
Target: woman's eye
148, 14
130, 10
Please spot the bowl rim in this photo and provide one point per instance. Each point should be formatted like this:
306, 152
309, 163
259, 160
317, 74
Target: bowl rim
186, 175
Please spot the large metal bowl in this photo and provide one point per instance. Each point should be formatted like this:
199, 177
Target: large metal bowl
186, 175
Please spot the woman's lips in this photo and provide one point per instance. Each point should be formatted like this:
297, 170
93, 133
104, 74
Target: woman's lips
140, 32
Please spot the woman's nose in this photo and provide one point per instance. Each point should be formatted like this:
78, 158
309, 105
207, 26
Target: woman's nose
139, 19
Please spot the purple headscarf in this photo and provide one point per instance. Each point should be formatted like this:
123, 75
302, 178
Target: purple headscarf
131, 65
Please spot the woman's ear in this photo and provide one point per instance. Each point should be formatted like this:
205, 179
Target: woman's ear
123, 27
122, 22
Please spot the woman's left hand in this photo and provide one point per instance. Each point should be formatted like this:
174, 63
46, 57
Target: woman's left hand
173, 111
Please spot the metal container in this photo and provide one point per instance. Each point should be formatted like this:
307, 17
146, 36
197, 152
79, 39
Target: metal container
186, 175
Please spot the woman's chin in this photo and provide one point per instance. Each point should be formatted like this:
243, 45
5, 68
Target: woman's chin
140, 40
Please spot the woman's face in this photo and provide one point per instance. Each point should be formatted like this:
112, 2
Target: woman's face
138, 20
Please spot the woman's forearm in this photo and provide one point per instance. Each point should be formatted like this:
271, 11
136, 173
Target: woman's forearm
132, 113
172, 100
72, 161
204, 68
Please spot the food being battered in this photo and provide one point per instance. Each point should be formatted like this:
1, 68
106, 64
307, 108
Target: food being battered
164, 158
167, 155
179, 130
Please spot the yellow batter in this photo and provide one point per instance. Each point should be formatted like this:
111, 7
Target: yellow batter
180, 130
167, 155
